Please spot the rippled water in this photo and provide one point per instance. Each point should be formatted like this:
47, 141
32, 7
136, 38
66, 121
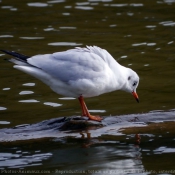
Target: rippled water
139, 34
106, 155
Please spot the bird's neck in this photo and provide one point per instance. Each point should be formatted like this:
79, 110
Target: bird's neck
121, 75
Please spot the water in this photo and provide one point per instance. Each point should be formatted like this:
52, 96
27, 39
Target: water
138, 34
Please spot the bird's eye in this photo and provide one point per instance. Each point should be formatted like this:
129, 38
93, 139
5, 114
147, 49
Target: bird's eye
135, 83
129, 78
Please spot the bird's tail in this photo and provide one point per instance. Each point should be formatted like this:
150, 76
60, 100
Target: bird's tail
18, 59
18, 56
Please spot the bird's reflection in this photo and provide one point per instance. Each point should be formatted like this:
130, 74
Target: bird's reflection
137, 147
86, 136
91, 141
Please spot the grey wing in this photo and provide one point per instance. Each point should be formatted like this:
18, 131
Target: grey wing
70, 65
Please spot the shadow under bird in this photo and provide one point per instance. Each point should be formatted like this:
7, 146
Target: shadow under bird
79, 72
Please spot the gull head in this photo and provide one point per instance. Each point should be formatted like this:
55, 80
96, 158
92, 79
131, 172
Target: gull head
132, 81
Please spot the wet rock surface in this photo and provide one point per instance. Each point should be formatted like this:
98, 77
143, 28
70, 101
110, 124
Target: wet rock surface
72, 126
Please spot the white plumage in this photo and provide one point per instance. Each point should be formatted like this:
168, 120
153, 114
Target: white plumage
79, 72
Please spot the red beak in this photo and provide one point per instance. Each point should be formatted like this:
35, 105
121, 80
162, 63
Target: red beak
135, 96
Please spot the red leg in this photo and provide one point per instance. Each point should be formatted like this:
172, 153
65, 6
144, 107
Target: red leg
85, 111
82, 106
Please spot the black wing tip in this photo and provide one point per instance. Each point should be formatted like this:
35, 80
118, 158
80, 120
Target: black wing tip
5, 51
16, 54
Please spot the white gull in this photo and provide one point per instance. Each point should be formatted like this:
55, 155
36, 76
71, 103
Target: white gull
79, 72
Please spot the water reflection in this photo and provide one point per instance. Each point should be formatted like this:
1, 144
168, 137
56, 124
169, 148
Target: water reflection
29, 84
4, 122
124, 5
6, 89
37, 4
147, 44
2, 108
97, 111
164, 149
6, 36
9, 7
26, 92
151, 26
67, 27
49, 29
95, 155
32, 38
84, 7
64, 44
29, 101
106, 157
21, 159
52, 104
102, 156
56, 1
67, 98
171, 42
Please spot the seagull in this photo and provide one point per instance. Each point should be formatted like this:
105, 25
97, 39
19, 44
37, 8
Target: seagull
80, 72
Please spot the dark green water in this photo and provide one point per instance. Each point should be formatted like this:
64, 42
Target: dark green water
139, 34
